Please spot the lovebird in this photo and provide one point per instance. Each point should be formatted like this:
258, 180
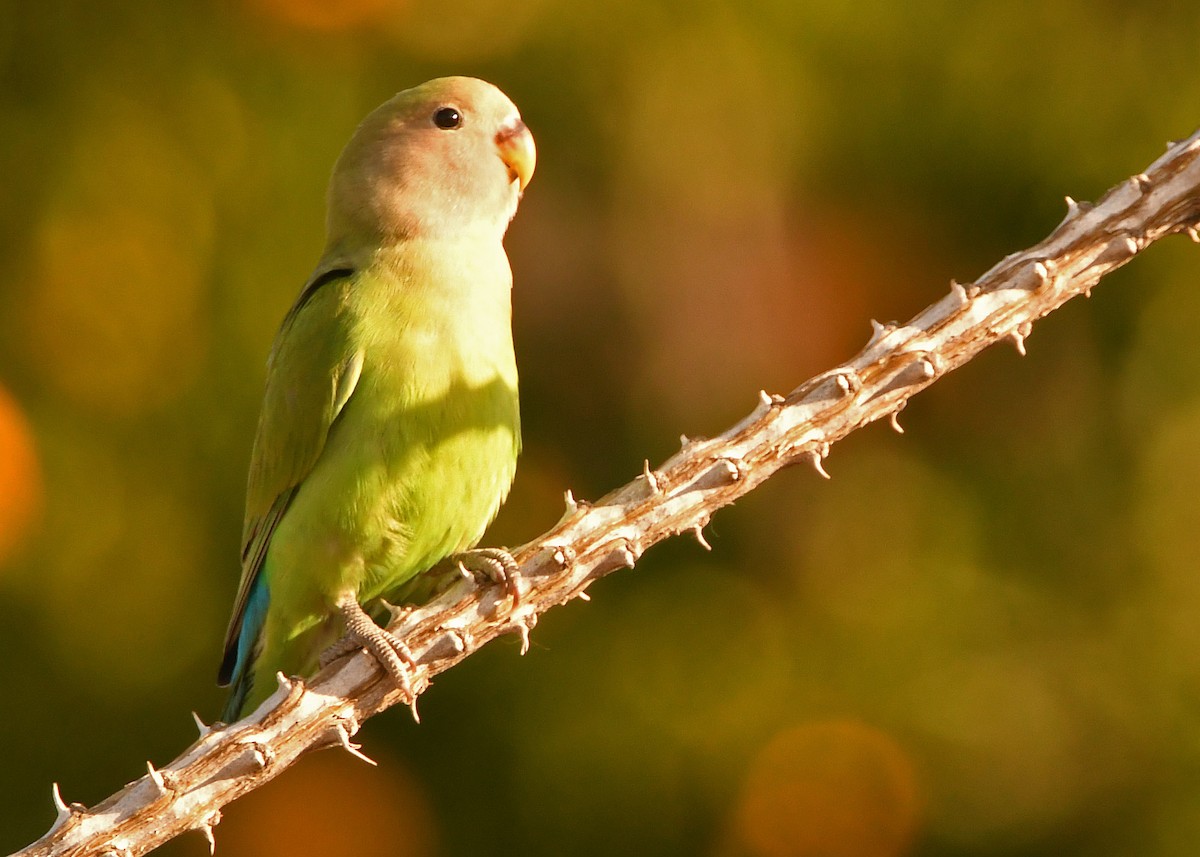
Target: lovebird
390, 428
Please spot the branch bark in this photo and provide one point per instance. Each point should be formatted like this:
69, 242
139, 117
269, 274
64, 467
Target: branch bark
594, 539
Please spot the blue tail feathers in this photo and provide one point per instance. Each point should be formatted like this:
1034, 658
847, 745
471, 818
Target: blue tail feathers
241, 672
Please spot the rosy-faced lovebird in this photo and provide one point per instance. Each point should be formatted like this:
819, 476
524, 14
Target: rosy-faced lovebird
389, 430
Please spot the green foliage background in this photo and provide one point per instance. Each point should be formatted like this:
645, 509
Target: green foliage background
979, 638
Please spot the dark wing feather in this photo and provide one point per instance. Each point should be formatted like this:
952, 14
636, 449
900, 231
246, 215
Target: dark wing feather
311, 374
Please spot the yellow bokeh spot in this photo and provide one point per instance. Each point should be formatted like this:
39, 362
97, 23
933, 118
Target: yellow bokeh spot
127, 560
683, 608
836, 788
892, 587
1166, 522
115, 308
1003, 741
20, 477
332, 803
701, 129
469, 30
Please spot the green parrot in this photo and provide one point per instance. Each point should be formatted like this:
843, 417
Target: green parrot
390, 429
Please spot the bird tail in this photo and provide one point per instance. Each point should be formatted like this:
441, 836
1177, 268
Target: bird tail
237, 669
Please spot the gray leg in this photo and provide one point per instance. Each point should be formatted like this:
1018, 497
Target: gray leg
363, 633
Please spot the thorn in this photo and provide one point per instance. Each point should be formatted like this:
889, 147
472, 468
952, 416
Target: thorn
814, 458
563, 555
698, 532
583, 596
522, 627
684, 440
1193, 233
262, 753
1019, 334
206, 828
651, 477
283, 681
1075, 209
204, 730
735, 465
848, 382
398, 613
460, 639
350, 747
60, 806
155, 777
61, 811
764, 398
572, 505
960, 293
1142, 182
293, 685
628, 558
894, 419
879, 331
634, 548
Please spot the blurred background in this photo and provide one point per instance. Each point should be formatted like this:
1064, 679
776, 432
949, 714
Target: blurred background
980, 638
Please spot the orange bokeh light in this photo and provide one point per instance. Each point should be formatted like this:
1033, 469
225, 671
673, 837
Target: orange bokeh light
836, 788
332, 803
328, 15
20, 477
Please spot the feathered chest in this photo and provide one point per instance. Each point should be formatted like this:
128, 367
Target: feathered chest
434, 326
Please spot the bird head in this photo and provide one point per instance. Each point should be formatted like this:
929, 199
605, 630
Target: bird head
450, 156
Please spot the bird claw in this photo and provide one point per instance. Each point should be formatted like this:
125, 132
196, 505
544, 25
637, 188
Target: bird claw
388, 650
343, 646
495, 564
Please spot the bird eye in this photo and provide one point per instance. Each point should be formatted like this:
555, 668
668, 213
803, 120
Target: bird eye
447, 118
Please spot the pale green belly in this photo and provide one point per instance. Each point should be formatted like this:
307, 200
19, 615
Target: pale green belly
393, 492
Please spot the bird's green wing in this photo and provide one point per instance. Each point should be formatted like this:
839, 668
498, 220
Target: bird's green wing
311, 374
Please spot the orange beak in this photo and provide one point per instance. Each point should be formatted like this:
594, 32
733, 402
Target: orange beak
516, 148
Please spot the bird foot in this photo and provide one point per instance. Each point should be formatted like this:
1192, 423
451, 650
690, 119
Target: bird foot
495, 564
362, 633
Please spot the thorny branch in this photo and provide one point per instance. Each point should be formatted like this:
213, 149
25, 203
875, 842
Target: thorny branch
594, 539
